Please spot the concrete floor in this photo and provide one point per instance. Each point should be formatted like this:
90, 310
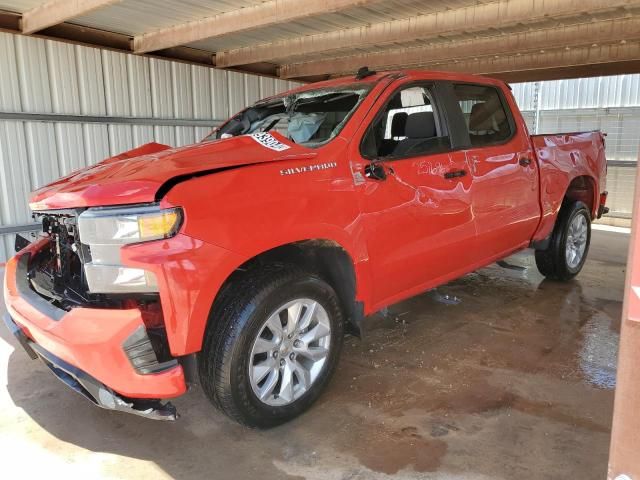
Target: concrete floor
498, 375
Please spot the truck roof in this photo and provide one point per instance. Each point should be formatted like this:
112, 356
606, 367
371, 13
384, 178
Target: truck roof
415, 74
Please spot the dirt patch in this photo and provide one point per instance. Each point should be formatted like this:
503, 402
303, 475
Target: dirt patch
406, 448
548, 411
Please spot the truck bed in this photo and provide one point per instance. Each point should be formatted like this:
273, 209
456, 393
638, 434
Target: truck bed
566, 158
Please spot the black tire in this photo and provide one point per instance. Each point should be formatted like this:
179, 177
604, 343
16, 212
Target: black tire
552, 262
239, 313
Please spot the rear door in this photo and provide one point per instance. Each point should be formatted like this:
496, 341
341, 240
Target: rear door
505, 195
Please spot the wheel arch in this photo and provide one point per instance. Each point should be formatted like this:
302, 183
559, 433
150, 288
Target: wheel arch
324, 257
583, 188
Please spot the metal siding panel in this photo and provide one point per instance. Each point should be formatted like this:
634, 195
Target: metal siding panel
201, 132
9, 83
33, 74
220, 94
139, 81
70, 147
161, 89
91, 81
96, 142
6, 246
63, 77
251, 89
14, 174
142, 134
116, 83
117, 95
141, 102
596, 92
201, 91
237, 98
181, 93
184, 136
267, 87
42, 153
281, 85
120, 139
165, 135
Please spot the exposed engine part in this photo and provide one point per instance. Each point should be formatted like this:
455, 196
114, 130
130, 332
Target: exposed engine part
56, 273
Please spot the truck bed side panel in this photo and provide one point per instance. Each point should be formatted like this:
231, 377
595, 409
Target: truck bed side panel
562, 158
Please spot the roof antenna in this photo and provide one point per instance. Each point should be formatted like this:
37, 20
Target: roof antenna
364, 72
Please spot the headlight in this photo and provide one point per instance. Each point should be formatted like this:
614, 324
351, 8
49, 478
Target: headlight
111, 226
106, 230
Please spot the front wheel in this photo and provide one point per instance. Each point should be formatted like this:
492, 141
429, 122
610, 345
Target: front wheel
567, 251
273, 346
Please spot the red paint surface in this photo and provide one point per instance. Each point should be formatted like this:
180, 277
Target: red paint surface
411, 232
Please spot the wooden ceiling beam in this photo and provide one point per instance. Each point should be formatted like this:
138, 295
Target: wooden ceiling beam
573, 71
591, 61
92, 37
580, 35
469, 19
265, 14
58, 11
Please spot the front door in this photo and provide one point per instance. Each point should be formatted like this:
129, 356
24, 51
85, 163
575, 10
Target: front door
415, 196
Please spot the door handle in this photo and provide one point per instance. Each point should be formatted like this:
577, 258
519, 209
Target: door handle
525, 162
455, 174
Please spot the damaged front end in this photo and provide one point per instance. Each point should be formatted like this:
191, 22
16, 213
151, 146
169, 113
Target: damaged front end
64, 276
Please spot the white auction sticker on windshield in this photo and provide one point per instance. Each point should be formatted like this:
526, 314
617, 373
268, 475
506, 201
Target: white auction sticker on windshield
267, 140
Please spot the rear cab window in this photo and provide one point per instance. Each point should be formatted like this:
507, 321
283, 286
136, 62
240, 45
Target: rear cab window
486, 115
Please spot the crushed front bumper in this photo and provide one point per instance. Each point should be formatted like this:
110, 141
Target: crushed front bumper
90, 349
87, 386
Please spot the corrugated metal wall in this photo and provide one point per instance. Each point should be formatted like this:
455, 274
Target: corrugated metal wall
49, 77
596, 92
43, 76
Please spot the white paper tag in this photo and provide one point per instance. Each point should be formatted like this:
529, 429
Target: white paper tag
267, 140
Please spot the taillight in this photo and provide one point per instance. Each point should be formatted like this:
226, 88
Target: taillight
603, 198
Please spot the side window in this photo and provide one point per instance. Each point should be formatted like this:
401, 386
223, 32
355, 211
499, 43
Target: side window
408, 126
484, 114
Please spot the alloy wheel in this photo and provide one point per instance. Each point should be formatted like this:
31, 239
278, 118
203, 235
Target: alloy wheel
289, 352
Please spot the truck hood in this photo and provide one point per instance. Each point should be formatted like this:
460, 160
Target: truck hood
138, 175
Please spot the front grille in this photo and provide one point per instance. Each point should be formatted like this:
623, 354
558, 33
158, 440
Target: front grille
56, 272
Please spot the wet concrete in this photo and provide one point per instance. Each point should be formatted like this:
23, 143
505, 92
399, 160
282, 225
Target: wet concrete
498, 375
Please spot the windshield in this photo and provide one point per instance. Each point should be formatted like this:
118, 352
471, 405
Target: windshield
309, 118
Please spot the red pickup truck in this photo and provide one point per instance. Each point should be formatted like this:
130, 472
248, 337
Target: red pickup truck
241, 261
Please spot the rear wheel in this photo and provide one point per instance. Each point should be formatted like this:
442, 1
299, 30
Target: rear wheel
272, 347
567, 251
